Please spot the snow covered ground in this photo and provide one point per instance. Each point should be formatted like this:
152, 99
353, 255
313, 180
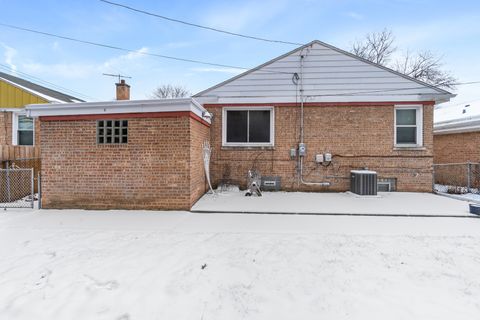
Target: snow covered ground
178, 265
386, 203
473, 195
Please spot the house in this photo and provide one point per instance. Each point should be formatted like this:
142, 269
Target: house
303, 120
19, 136
457, 134
336, 105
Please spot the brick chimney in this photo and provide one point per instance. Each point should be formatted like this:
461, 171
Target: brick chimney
123, 90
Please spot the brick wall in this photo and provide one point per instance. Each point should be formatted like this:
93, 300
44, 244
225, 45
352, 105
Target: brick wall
5, 128
198, 184
152, 171
456, 148
357, 136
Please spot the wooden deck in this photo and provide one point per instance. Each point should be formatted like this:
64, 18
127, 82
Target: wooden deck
8, 152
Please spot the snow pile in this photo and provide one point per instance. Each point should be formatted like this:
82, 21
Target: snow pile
137, 265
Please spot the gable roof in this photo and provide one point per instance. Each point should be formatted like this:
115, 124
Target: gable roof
48, 94
330, 74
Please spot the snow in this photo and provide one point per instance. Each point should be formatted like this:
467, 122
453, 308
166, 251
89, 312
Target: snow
445, 113
386, 203
75, 264
472, 196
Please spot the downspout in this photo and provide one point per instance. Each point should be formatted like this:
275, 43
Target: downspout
310, 183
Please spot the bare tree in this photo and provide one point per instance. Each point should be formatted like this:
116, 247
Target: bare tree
169, 91
379, 47
425, 66
376, 47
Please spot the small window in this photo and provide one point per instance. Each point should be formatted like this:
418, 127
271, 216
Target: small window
248, 127
408, 126
24, 131
112, 131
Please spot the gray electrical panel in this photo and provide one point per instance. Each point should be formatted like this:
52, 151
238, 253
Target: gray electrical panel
271, 183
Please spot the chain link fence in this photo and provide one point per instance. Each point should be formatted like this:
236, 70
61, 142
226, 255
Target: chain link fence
17, 188
457, 178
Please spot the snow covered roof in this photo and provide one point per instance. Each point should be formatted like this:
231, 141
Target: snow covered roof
118, 107
329, 75
458, 118
48, 94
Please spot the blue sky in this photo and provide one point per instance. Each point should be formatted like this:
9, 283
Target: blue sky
448, 28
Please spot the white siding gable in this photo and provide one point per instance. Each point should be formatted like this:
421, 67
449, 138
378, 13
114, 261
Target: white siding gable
329, 75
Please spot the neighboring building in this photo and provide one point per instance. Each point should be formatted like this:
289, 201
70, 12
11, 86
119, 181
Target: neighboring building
457, 134
338, 111
19, 134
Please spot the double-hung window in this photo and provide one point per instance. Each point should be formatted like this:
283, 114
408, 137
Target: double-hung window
248, 126
23, 130
408, 126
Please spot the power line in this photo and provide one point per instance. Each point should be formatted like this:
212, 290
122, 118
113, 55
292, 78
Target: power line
200, 26
39, 80
133, 51
194, 61
119, 48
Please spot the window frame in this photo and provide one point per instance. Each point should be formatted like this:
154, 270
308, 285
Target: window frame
15, 119
248, 144
113, 135
419, 125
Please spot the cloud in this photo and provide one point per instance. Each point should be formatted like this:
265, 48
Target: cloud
125, 59
84, 70
354, 15
63, 70
9, 54
221, 70
238, 16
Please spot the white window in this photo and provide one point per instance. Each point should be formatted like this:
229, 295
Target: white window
248, 127
23, 128
409, 126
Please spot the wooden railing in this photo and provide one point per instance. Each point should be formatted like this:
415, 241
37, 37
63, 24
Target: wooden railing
8, 152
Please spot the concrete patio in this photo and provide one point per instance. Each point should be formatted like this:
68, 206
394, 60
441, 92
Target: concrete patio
384, 204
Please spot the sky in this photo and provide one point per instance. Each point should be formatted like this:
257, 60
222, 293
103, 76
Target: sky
450, 29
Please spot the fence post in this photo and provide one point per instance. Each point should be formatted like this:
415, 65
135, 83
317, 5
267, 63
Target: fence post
469, 176
7, 166
39, 189
32, 188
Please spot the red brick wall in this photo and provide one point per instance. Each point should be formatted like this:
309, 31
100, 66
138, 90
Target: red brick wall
456, 148
357, 136
152, 171
199, 133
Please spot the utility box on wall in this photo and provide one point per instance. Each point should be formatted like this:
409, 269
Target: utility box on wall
363, 182
271, 183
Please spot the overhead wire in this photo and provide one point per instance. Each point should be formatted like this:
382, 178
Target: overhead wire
198, 25
98, 44
205, 62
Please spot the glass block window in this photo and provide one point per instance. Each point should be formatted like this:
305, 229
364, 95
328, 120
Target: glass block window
112, 131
